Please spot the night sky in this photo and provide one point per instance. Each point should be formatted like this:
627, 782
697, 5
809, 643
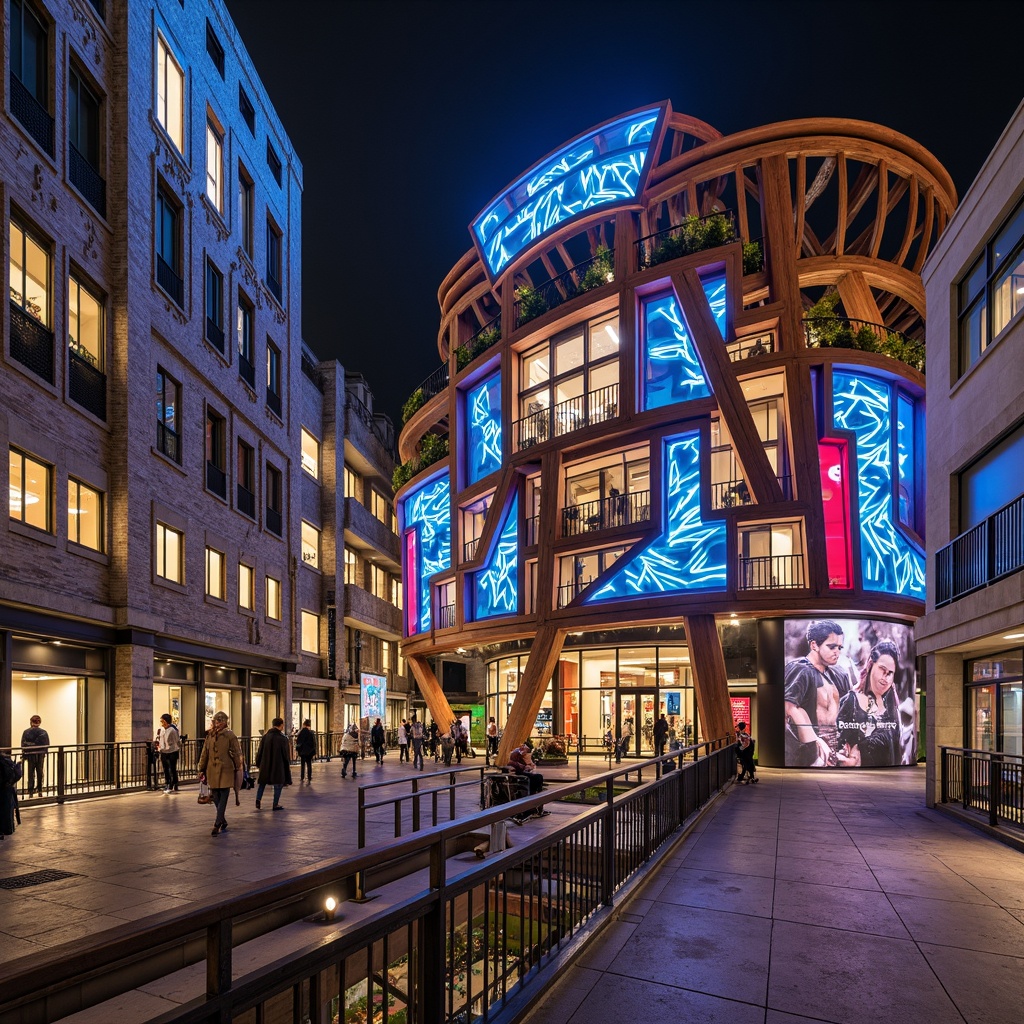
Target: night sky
409, 115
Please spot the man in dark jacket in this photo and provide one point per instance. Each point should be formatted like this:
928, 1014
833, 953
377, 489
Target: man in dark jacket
660, 736
35, 741
305, 747
377, 740
272, 759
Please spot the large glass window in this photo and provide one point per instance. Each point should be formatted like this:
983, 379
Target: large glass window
85, 323
85, 515
353, 485
771, 556
613, 490
381, 508
351, 567
168, 399
216, 453
246, 586
29, 63
170, 93
215, 166
310, 545
30, 274
31, 491
170, 551
994, 710
84, 167
570, 381
576, 572
380, 583
273, 598
168, 245
215, 573
310, 456
310, 632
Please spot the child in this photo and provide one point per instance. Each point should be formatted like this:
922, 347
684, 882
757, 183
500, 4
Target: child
745, 754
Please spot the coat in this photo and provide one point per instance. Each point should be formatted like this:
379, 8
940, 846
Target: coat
305, 743
350, 743
220, 757
272, 759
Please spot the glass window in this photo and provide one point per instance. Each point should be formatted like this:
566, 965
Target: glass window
310, 545
170, 547
273, 162
215, 306
273, 598
245, 586
274, 259
30, 274
246, 109
380, 584
310, 454
215, 166
310, 632
351, 567
273, 369
85, 515
168, 398
170, 93
29, 50
214, 49
380, 507
83, 120
216, 429
274, 508
245, 209
85, 323
168, 247
215, 573
31, 491
353, 485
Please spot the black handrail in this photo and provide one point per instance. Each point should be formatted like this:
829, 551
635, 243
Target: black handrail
605, 513
592, 273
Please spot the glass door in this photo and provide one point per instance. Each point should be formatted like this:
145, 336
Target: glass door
981, 722
636, 723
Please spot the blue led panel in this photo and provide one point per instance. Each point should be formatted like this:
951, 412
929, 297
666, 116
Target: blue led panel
713, 282
672, 370
602, 167
690, 554
483, 427
427, 510
890, 562
496, 588
905, 451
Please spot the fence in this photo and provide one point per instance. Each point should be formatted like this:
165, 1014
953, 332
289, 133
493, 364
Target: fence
981, 780
470, 945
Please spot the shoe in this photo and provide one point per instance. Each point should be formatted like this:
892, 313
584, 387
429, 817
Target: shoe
175, 790
216, 830
257, 805
343, 775
223, 826
354, 775
278, 807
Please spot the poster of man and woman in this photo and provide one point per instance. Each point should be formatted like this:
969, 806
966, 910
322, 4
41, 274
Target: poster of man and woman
850, 693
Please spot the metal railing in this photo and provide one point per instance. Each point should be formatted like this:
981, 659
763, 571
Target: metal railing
751, 348
273, 520
247, 371
274, 402
168, 442
583, 277
846, 333
532, 530
730, 494
981, 555
31, 343
668, 244
455, 944
88, 180
985, 781
245, 501
34, 117
771, 572
469, 548
87, 386
434, 384
604, 513
312, 372
168, 279
573, 414
568, 592
215, 335
445, 616
216, 480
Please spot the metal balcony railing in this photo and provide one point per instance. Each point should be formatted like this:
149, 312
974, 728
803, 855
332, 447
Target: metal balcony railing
675, 241
469, 548
245, 500
771, 572
215, 335
32, 114
730, 494
87, 180
275, 286
168, 442
540, 424
87, 386
583, 277
31, 343
604, 513
169, 281
981, 555
274, 402
568, 592
246, 371
751, 348
446, 616
532, 530
216, 480
989, 782
273, 521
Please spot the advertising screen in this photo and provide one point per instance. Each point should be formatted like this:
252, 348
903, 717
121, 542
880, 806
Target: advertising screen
740, 710
850, 686
374, 696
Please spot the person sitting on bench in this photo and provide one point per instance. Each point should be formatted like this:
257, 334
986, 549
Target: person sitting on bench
520, 761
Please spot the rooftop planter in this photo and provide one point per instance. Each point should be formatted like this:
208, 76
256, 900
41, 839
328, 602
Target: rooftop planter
697, 234
432, 449
488, 335
824, 329
584, 277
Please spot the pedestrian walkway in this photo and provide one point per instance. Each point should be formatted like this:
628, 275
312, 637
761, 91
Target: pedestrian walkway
828, 896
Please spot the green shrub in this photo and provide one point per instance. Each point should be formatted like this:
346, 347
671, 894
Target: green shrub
753, 258
432, 449
412, 404
600, 271
695, 234
531, 303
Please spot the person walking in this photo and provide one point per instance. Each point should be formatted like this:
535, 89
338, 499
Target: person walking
745, 754
350, 750
434, 742
220, 759
403, 742
377, 741
272, 759
456, 733
305, 747
492, 739
418, 734
660, 735
625, 740
168, 745
35, 741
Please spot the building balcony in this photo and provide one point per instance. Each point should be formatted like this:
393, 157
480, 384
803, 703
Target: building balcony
370, 530
87, 386
246, 371
169, 281
605, 513
445, 617
982, 555
31, 343
167, 442
87, 180
771, 572
370, 434
584, 277
364, 609
541, 424
469, 548
32, 114
216, 480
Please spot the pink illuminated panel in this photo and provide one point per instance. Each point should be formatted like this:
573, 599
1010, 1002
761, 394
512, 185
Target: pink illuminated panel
412, 613
835, 502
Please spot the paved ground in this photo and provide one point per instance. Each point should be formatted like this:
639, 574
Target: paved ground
829, 896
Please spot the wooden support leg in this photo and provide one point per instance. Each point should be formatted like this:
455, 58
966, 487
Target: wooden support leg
710, 681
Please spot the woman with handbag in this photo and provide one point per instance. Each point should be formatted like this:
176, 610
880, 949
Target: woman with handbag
220, 759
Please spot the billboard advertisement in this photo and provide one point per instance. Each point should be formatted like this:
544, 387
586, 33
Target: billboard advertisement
373, 696
850, 693
740, 710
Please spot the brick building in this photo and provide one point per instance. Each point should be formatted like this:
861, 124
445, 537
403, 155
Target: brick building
178, 554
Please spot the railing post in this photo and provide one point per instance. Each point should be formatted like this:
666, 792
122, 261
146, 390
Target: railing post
218, 958
965, 779
415, 805
608, 846
62, 780
117, 764
431, 951
995, 778
944, 768
361, 804
451, 796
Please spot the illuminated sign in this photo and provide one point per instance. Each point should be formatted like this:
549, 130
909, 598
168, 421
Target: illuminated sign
373, 695
427, 519
672, 368
496, 587
483, 427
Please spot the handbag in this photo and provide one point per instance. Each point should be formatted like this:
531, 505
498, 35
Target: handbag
205, 796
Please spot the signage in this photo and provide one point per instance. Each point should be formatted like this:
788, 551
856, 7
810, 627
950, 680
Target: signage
740, 710
372, 695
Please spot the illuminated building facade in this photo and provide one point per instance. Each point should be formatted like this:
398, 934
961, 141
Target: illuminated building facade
684, 411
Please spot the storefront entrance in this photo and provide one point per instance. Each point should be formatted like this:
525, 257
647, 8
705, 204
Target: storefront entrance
636, 715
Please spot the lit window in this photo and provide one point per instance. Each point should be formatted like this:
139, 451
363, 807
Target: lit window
170, 92
310, 546
245, 209
85, 323
245, 586
310, 454
85, 515
310, 632
381, 508
215, 166
353, 488
168, 398
30, 274
214, 574
380, 583
351, 566
30, 491
170, 547
273, 598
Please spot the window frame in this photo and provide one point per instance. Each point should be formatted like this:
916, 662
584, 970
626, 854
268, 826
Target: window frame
97, 358
246, 210
166, 58
214, 163
274, 258
309, 460
76, 75
21, 486
101, 528
214, 48
220, 594
26, 305
273, 598
247, 110
312, 621
274, 162
310, 538
214, 303
244, 569
161, 553
163, 421
274, 496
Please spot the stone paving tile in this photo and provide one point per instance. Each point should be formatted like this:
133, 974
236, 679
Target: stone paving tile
598, 956
825, 871
719, 890
762, 864
562, 999
966, 926
987, 989
930, 881
28, 918
849, 909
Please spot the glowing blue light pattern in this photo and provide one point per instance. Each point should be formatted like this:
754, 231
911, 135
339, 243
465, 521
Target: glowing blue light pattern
428, 511
889, 560
907, 463
713, 282
496, 588
602, 167
483, 422
690, 554
672, 370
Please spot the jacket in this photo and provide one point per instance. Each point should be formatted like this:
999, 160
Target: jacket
350, 743
377, 735
305, 743
220, 757
272, 759
168, 741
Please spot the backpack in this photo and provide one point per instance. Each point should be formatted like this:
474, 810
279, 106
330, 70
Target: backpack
11, 771
417, 730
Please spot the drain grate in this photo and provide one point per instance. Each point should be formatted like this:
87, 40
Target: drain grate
36, 878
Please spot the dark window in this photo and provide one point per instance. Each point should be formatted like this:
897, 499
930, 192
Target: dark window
245, 108
246, 366
168, 246
168, 398
273, 162
274, 515
274, 259
214, 49
246, 470
30, 73
214, 306
273, 378
245, 209
84, 157
216, 472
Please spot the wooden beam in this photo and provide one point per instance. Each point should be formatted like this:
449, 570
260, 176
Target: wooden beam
710, 682
858, 302
437, 703
544, 652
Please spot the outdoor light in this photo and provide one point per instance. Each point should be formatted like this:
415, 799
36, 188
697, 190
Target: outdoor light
1014, 636
330, 905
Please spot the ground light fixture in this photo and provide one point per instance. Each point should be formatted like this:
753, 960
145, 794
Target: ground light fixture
328, 914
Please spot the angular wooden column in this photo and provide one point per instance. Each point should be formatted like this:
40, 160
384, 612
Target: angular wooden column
437, 703
544, 652
709, 677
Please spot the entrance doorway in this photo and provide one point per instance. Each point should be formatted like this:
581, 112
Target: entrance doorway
636, 710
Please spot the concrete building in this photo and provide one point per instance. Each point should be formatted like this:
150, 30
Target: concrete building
678, 422
176, 551
972, 635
